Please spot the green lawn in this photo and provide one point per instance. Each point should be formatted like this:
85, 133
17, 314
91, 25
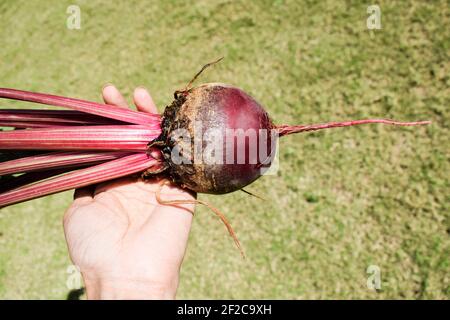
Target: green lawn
342, 200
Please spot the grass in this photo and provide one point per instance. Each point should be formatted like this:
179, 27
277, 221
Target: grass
342, 199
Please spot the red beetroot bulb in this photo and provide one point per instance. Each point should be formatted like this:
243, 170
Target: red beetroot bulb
226, 118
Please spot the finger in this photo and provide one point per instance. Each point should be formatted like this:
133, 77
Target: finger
143, 100
112, 96
83, 195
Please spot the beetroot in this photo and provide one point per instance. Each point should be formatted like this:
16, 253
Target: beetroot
228, 113
214, 138
235, 116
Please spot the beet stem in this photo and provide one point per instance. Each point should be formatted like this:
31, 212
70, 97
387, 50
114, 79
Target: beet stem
54, 160
108, 111
10, 182
52, 117
81, 178
119, 137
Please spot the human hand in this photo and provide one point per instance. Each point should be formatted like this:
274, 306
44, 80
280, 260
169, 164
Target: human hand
126, 244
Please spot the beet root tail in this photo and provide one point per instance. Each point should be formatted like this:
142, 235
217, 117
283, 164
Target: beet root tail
284, 130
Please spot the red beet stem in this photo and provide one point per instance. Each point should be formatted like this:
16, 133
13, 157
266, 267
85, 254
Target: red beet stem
287, 129
108, 111
83, 177
120, 137
30, 125
56, 160
52, 117
13, 182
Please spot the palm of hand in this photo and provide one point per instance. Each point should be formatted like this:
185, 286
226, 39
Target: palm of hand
122, 227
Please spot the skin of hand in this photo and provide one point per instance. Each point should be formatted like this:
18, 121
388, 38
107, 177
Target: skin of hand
126, 244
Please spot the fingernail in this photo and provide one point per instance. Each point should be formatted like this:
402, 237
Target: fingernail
141, 88
108, 84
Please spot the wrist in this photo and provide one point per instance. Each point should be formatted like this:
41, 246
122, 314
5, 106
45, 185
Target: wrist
112, 288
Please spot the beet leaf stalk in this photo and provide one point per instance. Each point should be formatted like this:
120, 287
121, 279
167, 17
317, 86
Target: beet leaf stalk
10, 182
56, 160
47, 118
103, 110
113, 169
120, 137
